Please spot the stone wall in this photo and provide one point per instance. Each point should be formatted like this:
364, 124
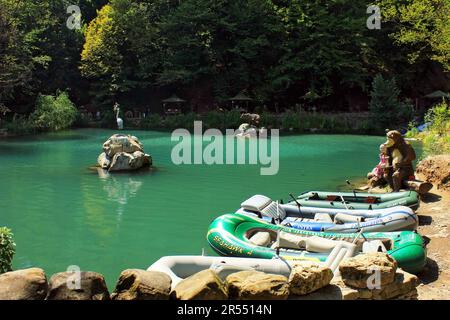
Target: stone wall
307, 281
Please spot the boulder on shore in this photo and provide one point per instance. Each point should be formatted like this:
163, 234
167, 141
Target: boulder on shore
28, 284
256, 285
435, 169
307, 278
134, 284
365, 270
403, 288
204, 285
67, 286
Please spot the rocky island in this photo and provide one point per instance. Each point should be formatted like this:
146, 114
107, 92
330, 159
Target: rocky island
123, 153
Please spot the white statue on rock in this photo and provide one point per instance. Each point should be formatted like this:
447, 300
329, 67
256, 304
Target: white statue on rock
119, 120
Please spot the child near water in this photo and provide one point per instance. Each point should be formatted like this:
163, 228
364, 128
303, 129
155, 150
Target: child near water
378, 175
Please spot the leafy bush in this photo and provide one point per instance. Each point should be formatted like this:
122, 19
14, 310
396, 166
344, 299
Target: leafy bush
54, 113
7, 250
81, 121
232, 119
387, 111
436, 137
270, 120
299, 121
109, 120
20, 126
439, 118
412, 130
214, 119
290, 120
152, 122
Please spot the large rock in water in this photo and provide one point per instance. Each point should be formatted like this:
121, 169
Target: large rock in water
204, 285
28, 284
122, 143
137, 284
104, 161
64, 286
256, 285
365, 269
123, 153
308, 277
126, 161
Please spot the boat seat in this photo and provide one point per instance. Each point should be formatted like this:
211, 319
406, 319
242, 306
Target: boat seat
342, 218
332, 198
312, 244
372, 200
264, 206
323, 217
261, 239
373, 246
289, 222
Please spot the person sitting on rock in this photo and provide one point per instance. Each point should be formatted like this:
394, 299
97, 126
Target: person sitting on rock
379, 174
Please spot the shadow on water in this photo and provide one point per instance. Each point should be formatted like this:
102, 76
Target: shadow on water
53, 136
102, 173
425, 220
15, 149
430, 198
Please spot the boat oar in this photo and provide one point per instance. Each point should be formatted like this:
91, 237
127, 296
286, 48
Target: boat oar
295, 200
354, 192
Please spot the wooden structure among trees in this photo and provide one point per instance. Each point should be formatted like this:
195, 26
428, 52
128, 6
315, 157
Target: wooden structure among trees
241, 101
173, 105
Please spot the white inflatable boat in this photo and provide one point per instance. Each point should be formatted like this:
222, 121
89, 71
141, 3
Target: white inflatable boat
181, 267
399, 218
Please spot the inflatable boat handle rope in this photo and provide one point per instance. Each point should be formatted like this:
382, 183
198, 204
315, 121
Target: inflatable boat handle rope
277, 253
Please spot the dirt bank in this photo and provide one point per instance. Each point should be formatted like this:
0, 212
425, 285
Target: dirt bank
435, 169
434, 219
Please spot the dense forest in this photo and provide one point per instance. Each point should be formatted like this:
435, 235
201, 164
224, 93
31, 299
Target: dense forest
282, 53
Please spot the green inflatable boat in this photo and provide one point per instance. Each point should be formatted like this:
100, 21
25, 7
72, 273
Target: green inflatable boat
356, 200
241, 235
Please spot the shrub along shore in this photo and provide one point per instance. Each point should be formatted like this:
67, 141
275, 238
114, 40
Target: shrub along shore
288, 122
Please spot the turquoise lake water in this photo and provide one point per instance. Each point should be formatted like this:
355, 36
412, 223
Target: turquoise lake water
62, 213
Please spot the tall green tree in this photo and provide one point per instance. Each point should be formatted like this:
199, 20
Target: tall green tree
230, 44
39, 53
324, 46
387, 109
